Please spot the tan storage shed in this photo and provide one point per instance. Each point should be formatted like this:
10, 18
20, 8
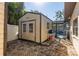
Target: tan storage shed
34, 26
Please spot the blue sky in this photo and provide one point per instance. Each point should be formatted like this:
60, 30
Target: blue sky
47, 8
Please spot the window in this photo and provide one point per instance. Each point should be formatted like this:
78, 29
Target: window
30, 27
24, 27
75, 27
47, 25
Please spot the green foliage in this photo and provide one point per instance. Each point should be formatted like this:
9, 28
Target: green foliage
15, 11
59, 15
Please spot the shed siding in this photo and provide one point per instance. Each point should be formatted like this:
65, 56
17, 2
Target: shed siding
44, 30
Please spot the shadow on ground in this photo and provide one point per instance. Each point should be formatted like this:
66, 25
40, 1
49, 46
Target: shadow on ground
27, 48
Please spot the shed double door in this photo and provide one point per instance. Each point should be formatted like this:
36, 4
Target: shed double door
29, 33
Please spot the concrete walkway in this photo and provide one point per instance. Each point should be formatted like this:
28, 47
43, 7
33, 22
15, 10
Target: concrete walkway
70, 49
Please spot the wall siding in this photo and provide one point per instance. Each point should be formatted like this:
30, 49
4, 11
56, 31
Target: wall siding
44, 30
1, 27
75, 39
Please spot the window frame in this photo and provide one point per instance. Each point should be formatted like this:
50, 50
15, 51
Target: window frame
48, 25
31, 27
24, 27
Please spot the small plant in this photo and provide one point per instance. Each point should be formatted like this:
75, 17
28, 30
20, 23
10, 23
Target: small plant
50, 31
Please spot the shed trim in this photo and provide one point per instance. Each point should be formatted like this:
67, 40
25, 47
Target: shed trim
40, 28
5, 29
37, 14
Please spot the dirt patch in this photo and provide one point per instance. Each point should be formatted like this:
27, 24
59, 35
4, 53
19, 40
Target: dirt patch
27, 48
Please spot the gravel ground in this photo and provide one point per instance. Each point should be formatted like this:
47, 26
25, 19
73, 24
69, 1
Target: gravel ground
27, 48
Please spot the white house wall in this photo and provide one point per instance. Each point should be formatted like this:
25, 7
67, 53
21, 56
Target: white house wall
75, 39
